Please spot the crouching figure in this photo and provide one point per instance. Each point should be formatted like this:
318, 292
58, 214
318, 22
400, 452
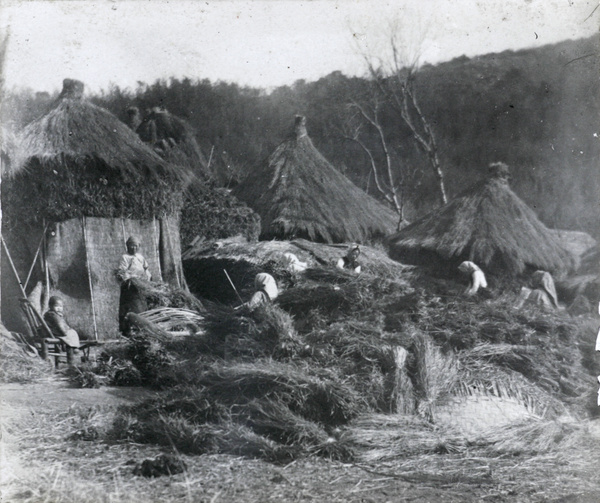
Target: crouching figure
542, 292
477, 278
266, 291
350, 260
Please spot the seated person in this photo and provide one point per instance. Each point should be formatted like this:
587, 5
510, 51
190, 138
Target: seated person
542, 292
266, 291
350, 260
132, 265
477, 278
57, 324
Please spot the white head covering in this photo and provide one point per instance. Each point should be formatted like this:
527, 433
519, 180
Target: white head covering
266, 282
477, 277
468, 267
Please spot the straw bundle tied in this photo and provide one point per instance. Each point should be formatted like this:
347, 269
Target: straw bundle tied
175, 320
298, 194
165, 295
487, 224
378, 438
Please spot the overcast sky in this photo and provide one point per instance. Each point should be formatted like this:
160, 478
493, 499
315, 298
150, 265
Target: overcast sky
262, 43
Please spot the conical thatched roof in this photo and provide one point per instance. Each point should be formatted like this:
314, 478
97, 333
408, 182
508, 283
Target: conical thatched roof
79, 159
298, 193
77, 129
174, 140
489, 225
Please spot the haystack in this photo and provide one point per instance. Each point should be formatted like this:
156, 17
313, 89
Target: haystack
205, 262
89, 182
299, 194
174, 140
208, 211
487, 224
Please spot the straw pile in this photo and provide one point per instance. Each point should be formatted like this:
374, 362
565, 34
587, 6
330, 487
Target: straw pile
521, 455
18, 363
165, 295
208, 212
262, 409
205, 262
174, 140
211, 213
285, 380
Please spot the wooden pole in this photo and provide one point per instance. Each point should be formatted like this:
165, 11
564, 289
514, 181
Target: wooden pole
37, 252
12, 265
46, 272
233, 286
89, 271
210, 157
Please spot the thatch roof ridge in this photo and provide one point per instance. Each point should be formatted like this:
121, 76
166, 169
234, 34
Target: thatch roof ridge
298, 193
75, 128
489, 224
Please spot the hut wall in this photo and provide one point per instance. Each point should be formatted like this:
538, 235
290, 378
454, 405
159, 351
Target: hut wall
170, 252
83, 256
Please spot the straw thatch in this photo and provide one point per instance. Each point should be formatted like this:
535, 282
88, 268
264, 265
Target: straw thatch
211, 212
208, 211
487, 224
80, 160
205, 261
174, 140
299, 194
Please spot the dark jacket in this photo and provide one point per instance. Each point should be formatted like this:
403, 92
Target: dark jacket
61, 329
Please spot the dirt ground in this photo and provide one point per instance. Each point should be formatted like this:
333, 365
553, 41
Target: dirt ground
49, 453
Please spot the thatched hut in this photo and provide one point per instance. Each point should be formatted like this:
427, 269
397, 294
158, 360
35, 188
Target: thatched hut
173, 139
487, 224
208, 211
299, 194
81, 182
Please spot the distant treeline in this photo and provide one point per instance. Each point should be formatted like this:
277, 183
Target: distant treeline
537, 110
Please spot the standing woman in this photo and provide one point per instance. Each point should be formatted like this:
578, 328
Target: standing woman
132, 265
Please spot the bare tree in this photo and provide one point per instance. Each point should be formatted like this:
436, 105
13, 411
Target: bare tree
390, 179
396, 83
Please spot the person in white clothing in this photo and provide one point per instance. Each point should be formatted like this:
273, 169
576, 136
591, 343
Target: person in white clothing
476, 275
542, 292
293, 263
132, 265
266, 291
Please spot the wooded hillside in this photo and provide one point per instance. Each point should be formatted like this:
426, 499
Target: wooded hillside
537, 110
